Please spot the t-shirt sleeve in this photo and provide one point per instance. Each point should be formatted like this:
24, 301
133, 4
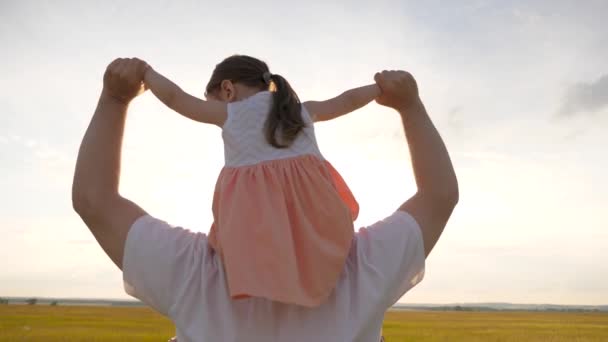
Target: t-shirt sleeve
390, 257
158, 258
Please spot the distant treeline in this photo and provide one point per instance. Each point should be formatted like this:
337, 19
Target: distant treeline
68, 302
489, 308
416, 307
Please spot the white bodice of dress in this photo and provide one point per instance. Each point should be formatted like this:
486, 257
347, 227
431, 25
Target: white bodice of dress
244, 139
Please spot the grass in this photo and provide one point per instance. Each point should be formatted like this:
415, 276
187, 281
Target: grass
495, 326
76, 323
80, 323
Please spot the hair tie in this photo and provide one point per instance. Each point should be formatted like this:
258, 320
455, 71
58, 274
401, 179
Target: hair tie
267, 76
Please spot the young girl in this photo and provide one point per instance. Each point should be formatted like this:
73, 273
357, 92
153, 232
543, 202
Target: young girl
283, 216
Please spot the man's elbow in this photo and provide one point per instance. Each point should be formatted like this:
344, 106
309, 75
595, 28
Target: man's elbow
452, 196
82, 202
87, 204
446, 198
451, 193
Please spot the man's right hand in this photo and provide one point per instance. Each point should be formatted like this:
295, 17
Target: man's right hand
95, 195
436, 181
123, 78
399, 89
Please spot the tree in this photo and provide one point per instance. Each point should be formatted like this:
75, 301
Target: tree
54, 303
31, 301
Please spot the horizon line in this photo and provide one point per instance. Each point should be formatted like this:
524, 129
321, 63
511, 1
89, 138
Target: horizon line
93, 299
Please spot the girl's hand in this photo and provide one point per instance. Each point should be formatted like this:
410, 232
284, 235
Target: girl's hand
146, 67
377, 92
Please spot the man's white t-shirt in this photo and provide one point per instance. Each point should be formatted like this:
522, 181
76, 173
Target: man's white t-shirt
174, 271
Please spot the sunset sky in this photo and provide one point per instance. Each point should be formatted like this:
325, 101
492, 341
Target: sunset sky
517, 89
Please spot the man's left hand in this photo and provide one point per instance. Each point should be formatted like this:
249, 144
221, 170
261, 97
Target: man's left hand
123, 79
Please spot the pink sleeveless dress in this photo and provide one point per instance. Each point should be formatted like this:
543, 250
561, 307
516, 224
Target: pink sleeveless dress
283, 218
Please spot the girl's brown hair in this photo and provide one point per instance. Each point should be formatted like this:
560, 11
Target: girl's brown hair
285, 117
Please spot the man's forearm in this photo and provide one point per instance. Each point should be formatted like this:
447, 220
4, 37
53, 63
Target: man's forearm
98, 165
433, 170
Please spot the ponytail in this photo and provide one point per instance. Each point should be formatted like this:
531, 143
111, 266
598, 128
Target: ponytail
285, 117
284, 121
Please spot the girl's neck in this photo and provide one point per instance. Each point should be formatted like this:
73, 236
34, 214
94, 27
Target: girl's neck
243, 92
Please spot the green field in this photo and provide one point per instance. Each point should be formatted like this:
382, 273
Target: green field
495, 326
73, 323
78, 323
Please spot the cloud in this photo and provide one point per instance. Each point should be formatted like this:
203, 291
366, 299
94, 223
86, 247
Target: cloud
585, 98
40, 150
455, 118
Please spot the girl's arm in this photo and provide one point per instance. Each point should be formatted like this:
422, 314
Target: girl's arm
345, 103
212, 112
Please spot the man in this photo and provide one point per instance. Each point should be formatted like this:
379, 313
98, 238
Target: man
175, 272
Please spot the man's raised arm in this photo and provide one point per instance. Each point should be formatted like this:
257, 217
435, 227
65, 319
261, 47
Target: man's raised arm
95, 194
436, 181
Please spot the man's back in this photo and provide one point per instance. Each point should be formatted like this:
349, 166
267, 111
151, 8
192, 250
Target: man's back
175, 272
